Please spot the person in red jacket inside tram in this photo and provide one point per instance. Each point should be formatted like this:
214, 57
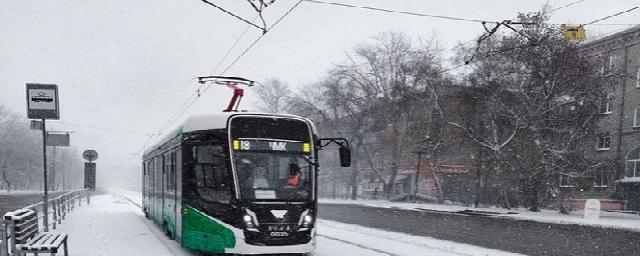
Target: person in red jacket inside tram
294, 175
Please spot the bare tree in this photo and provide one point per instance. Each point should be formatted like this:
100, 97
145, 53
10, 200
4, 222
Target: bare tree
540, 98
274, 96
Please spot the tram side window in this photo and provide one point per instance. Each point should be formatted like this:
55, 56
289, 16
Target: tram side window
170, 165
212, 176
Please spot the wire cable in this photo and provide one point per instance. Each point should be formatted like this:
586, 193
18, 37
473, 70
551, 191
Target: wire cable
234, 15
397, 12
613, 15
231, 48
565, 6
193, 100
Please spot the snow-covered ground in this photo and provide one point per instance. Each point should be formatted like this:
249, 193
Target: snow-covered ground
607, 219
114, 225
111, 225
393, 243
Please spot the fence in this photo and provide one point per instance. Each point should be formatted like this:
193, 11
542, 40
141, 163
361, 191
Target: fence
58, 208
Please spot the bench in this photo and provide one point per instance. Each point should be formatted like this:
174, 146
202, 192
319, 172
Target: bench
23, 231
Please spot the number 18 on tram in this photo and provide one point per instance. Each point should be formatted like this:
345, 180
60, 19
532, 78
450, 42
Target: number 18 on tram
241, 183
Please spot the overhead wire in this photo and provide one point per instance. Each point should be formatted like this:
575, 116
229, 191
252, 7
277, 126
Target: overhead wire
450, 17
65, 123
497, 52
199, 93
565, 6
493, 53
613, 15
224, 57
397, 12
234, 15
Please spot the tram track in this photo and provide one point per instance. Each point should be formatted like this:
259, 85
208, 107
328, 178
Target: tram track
357, 245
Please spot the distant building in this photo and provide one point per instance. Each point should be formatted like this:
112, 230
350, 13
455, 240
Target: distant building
616, 145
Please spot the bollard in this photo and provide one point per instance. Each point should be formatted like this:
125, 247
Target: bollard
4, 246
88, 197
55, 215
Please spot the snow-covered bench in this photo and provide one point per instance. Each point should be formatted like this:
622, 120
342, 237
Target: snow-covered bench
26, 238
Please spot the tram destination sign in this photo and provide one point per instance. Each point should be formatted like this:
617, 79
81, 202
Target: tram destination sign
271, 145
42, 101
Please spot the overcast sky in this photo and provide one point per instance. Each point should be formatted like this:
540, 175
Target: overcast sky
127, 66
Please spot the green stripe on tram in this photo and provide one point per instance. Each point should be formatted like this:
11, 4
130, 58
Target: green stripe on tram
202, 233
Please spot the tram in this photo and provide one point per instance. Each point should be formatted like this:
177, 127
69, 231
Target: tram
237, 183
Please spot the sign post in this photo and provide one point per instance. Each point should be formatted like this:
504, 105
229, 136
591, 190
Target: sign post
42, 103
90, 172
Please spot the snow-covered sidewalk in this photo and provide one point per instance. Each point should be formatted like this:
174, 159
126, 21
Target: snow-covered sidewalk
607, 219
112, 226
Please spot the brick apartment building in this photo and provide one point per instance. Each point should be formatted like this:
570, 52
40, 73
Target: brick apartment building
616, 147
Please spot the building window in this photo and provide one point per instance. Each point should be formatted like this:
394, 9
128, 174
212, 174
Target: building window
611, 62
567, 181
604, 142
638, 78
636, 117
633, 163
600, 178
606, 105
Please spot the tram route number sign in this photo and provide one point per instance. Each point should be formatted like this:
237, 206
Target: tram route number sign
42, 101
271, 145
90, 176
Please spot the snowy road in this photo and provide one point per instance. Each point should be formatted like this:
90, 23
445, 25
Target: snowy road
508, 234
114, 225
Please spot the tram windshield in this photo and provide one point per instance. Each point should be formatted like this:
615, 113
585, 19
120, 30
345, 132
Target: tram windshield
266, 176
272, 158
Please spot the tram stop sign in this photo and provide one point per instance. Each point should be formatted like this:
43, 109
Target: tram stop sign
90, 155
42, 101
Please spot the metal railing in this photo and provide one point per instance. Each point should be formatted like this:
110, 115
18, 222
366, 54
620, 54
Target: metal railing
58, 208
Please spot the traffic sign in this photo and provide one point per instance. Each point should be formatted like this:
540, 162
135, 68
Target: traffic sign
57, 139
42, 101
90, 155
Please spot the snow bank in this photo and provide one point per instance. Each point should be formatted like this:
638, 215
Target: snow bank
607, 219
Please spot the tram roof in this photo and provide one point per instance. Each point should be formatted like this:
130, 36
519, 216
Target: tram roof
213, 121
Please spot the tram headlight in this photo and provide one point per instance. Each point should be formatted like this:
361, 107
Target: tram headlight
307, 220
248, 221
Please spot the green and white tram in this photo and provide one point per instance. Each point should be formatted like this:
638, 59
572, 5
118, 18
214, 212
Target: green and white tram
237, 182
